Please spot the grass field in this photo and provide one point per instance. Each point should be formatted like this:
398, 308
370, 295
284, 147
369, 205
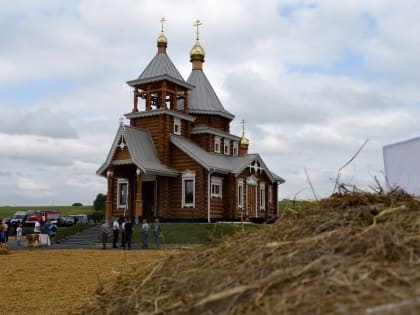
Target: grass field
8, 211
193, 233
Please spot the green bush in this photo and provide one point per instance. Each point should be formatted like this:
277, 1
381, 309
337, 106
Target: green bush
96, 216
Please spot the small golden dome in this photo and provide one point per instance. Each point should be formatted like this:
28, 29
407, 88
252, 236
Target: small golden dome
197, 52
244, 140
162, 39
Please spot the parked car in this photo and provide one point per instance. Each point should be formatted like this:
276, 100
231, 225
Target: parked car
17, 218
75, 218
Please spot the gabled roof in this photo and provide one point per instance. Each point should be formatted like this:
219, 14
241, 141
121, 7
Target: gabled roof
142, 150
160, 68
218, 162
203, 99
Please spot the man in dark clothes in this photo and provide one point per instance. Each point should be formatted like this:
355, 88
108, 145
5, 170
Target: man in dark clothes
115, 231
128, 228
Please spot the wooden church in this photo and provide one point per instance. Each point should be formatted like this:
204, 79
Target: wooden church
177, 160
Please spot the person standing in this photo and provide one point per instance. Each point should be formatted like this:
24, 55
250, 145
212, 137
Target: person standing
37, 227
156, 232
19, 235
145, 233
47, 225
122, 228
6, 232
2, 232
128, 227
115, 230
53, 232
104, 233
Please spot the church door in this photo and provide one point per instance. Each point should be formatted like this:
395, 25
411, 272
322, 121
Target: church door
252, 202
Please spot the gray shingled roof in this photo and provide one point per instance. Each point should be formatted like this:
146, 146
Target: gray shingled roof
218, 162
142, 150
160, 68
203, 99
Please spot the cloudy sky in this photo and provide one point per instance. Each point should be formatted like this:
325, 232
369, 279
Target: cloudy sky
313, 79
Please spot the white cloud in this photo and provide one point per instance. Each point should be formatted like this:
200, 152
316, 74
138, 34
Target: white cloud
313, 80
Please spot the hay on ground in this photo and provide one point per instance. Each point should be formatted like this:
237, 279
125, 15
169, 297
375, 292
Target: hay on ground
352, 254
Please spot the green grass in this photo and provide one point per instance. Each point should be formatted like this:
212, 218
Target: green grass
189, 233
8, 212
64, 232
192, 233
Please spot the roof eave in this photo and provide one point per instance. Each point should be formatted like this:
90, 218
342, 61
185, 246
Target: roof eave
160, 112
224, 114
137, 82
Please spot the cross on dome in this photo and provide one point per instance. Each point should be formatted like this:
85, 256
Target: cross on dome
162, 21
197, 23
162, 41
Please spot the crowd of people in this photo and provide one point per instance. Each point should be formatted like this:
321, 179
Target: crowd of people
120, 229
48, 227
124, 227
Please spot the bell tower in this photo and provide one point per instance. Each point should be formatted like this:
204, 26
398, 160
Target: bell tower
160, 85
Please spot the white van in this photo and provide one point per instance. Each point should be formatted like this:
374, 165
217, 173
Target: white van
18, 218
75, 218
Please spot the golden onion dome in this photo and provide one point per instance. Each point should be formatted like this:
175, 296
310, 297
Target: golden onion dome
197, 51
162, 39
244, 140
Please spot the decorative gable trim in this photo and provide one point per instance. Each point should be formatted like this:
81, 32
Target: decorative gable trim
251, 180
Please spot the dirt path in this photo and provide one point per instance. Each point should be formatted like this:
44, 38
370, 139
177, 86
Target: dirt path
58, 281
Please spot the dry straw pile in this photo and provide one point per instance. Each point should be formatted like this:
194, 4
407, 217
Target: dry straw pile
352, 254
4, 249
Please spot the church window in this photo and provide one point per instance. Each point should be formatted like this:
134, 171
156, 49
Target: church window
217, 144
235, 149
188, 189
240, 193
122, 193
262, 196
226, 146
216, 187
177, 126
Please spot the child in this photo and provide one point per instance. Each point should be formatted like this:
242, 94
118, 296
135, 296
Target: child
53, 231
19, 235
